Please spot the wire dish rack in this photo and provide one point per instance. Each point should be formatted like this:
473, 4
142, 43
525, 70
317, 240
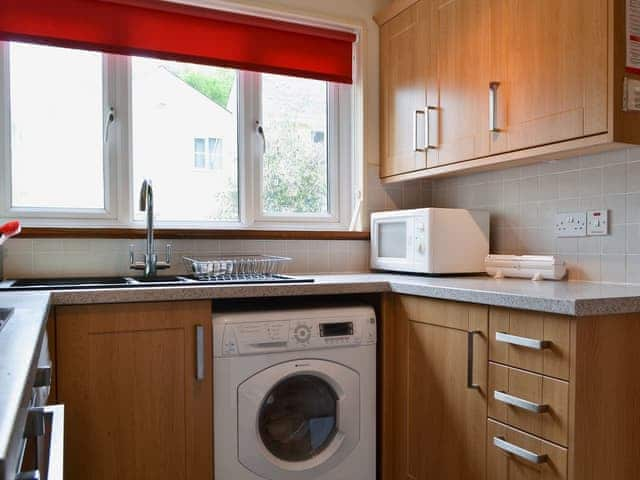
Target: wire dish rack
236, 267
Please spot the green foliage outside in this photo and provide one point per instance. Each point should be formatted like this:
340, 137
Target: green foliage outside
295, 170
295, 175
217, 87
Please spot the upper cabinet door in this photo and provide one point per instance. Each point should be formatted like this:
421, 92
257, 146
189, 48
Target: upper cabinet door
460, 33
403, 62
549, 72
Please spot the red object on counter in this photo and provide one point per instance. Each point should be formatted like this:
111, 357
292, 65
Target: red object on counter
10, 229
184, 33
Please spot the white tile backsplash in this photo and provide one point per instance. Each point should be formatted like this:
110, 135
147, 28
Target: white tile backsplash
25, 258
524, 200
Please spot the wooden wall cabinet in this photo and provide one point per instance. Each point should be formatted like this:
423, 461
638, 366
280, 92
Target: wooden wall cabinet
134, 408
557, 397
403, 90
507, 82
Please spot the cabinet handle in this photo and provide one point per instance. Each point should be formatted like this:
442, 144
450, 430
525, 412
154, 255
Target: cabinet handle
415, 129
519, 402
493, 106
470, 383
427, 128
199, 352
520, 452
522, 341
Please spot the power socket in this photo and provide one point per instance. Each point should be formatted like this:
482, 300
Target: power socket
571, 224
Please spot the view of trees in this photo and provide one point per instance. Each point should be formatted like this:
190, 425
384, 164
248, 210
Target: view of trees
215, 84
295, 163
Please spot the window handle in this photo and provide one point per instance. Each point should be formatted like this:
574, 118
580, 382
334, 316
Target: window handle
111, 117
260, 131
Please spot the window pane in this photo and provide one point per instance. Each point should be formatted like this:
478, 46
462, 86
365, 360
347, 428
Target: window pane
56, 127
176, 106
295, 172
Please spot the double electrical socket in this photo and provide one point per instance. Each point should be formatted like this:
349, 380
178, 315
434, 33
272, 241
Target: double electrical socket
582, 224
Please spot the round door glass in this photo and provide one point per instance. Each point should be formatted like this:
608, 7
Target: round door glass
298, 418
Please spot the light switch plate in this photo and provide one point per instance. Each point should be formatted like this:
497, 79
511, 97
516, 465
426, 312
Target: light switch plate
571, 224
597, 222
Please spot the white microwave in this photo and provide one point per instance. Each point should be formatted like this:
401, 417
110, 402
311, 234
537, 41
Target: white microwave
430, 240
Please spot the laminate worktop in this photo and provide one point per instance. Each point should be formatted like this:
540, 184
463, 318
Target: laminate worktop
20, 342
566, 298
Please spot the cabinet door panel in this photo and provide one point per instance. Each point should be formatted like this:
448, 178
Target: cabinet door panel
445, 420
461, 46
127, 379
549, 58
403, 65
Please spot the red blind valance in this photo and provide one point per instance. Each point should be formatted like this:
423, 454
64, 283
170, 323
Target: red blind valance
184, 33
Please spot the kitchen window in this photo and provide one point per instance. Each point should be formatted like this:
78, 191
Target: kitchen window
223, 147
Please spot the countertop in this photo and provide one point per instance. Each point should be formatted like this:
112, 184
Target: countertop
20, 341
567, 298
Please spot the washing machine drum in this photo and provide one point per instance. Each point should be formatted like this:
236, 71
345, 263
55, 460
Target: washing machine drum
298, 419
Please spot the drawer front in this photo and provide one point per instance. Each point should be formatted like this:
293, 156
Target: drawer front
530, 402
514, 455
532, 341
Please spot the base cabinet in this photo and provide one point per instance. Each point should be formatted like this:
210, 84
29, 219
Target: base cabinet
440, 388
473, 392
135, 406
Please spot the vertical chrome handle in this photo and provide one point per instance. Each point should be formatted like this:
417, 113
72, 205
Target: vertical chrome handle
519, 452
522, 341
427, 135
167, 255
493, 106
415, 130
470, 336
199, 352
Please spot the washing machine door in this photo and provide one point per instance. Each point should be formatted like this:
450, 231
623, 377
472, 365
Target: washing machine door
298, 419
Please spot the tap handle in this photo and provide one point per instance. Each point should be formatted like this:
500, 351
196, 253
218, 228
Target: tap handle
168, 254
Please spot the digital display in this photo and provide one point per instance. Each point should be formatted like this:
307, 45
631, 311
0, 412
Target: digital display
336, 329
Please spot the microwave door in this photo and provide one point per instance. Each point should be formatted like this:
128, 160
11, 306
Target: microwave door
393, 243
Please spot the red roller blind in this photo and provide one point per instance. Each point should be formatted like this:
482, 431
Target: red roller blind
178, 32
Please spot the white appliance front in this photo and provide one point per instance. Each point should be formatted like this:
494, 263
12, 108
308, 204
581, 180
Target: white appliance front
430, 240
294, 413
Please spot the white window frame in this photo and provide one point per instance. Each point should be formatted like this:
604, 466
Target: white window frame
44, 214
344, 158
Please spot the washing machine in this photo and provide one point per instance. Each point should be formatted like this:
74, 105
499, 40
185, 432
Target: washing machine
295, 394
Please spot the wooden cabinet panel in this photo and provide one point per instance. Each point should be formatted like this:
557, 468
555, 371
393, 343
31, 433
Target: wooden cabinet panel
440, 422
461, 42
505, 466
134, 408
404, 55
550, 60
555, 329
553, 424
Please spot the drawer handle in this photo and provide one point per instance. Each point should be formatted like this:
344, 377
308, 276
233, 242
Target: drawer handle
522, 341
520, 452
519, 402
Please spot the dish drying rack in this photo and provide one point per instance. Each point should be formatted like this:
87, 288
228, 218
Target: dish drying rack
236, 267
